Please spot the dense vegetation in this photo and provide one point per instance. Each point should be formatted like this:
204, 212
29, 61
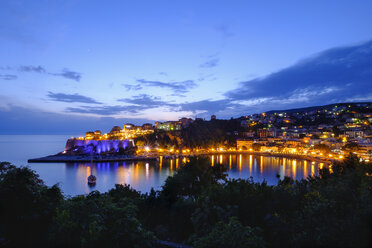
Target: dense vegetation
198, 206
199, 134
214, 133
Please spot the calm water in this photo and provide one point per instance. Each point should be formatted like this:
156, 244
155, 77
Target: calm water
72, 177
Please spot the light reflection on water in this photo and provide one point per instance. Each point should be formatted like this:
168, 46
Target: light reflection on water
73, 176
145, 175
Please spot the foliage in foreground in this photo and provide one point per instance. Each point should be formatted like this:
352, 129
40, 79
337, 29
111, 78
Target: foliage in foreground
231, 234
198, 206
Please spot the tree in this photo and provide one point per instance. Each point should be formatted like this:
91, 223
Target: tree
323, 148
351, 147
27, 206
231, 235
96, 220
192, 178
336, 131
199, 205
256, 147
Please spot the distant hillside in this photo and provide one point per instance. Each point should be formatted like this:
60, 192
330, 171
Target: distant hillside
312, 108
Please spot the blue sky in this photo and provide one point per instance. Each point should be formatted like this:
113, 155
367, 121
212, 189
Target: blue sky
102, 63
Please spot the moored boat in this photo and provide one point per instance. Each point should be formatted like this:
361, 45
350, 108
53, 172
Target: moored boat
92, 180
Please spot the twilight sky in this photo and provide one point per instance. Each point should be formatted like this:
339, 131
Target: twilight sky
69, 66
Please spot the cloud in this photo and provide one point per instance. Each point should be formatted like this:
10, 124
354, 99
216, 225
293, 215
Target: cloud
41, 122
297, 98
210, 63
138, 104
146, 101
177, 95
68, 74
334, 75
30, 68
61, 97
104, 110
209, 106
225, 31
134, 105
41, 70
176, 87
358, 98
132, 87
8, 77
209, 77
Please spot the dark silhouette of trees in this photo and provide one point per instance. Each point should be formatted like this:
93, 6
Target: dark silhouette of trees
197, 206
322, 148
27, 206
97, 220
336, 131
256, 147
229, 235
351, 147
191, 179
205, 134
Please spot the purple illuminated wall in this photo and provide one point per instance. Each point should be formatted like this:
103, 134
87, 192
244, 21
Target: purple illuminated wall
96, 146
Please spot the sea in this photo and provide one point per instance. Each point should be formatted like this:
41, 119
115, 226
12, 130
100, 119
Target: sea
141, 175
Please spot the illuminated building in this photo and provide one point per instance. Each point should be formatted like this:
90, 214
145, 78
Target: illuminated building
128, 126
115, 133
244, 144
89, 135
263, 133
129, 131
97, 135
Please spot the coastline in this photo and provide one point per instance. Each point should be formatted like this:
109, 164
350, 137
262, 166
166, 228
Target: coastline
59, 158
81, 158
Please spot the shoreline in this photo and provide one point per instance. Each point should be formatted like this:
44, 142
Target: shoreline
76, 159
59, 158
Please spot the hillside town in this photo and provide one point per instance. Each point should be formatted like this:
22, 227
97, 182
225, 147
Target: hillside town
328, 132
